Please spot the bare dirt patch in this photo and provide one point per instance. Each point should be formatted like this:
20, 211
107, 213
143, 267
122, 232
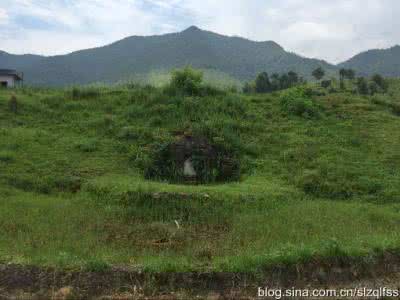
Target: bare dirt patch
29, 282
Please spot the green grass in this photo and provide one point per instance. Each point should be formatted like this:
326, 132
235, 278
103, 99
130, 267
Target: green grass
73, 193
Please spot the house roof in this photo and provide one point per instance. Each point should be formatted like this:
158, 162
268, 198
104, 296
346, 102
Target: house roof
8, 72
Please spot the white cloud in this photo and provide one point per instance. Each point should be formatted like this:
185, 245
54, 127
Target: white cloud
332, 30
50, 42
78, 25
3, 17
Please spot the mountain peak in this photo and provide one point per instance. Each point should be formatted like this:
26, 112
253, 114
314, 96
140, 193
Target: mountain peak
192, 29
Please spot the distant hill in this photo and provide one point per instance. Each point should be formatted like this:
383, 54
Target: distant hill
20, 62
385, 62
137, 57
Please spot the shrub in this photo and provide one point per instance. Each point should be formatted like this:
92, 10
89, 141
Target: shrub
248, 88
395, 108
380, 82
7, 157
373, 88
296, 102
84, 93
68, 183
362, 86
326, 83
187, 81
317, 183
337, 183
88, 146
379, 100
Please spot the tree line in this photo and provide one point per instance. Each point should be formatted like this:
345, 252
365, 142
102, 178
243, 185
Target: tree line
276, 82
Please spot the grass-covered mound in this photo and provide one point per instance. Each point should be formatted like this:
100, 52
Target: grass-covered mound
318, 176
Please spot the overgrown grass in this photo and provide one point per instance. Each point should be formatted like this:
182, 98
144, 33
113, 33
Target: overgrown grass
73, 193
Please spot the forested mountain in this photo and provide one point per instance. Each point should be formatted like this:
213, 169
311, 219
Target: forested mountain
383, 61
136, 56
10, 61
235, 58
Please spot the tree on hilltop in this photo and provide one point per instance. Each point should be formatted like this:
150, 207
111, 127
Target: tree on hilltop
318, 73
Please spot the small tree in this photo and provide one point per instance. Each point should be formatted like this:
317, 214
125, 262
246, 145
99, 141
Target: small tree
342, 85
275, 82
318, 73
187, 81
380, 82
362, 86
373, 88
247, 88
346, 74
350, 74
342, 76
293, 78
284, 81
326, 83
263, 85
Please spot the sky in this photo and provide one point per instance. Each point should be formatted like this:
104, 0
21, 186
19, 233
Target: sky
333, 30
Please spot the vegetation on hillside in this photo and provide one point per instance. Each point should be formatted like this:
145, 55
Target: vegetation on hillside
318, 176
136, 58
381, 61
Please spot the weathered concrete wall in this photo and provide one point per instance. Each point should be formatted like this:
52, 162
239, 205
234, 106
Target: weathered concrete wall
9, 79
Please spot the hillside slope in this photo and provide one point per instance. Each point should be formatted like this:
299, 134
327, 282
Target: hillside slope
137, 56
319, 185
381, 61
75, 191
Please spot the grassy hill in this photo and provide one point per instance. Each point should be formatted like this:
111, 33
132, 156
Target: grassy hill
321, 181
138, 56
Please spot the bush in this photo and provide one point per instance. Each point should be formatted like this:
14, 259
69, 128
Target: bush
395, 108
326, 83
337, 183
186, 81
380, 83
88, 146
296, 102
68, 183
7, 157
189, 82
84, 93
362, 86
373, 88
